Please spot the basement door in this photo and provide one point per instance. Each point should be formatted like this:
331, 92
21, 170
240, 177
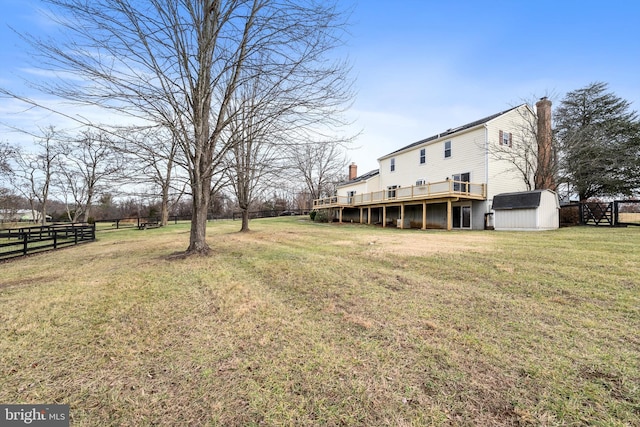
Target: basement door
461, 216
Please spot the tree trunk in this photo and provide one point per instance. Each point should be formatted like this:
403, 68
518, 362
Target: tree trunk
245, 221
201, 197
164, 213
164, 206
43, 220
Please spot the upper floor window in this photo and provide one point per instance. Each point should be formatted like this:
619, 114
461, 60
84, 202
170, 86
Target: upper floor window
447, 149
423, 156
506, 138
393, 165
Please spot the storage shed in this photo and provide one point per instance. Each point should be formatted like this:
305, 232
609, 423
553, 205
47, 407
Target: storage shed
527, 210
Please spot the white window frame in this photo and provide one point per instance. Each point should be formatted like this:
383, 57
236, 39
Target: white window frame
506, 138
447, 149
392, 168
391, 191
423, 156
457, 184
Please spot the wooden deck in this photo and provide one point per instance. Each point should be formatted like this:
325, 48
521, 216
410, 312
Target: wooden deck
445, 190
437, 192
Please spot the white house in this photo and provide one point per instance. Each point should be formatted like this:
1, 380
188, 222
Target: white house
445, 181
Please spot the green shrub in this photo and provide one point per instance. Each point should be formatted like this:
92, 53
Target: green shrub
322, 216
312, 215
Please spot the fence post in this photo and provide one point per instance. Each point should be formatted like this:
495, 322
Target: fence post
24, 243
55, 239
581, 213
93, 231
75, 235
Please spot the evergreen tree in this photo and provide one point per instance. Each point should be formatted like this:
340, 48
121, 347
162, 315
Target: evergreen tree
598, 137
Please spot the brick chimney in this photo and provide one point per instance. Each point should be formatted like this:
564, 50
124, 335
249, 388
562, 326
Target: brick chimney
545, 171
353, 171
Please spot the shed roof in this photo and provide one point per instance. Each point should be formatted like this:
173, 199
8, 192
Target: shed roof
521, 200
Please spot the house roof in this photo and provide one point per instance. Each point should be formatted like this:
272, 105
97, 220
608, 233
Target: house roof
362, 177
453, 131
521, 200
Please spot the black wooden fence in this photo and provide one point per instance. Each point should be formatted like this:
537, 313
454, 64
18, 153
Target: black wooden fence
619, 213
17, 242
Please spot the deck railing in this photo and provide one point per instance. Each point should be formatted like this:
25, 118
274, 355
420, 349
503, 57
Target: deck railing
430, 190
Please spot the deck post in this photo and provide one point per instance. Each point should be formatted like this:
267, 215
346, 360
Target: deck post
340, 215
424, 215
384, 216
402, 216
449, 216
369, 215
361, 215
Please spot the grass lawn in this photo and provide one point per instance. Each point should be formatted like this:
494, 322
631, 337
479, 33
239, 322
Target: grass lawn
297, 323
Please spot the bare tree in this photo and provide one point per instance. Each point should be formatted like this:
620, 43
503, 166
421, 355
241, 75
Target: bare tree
322, 166
87, 167
521, 152
6, 153
155, 153
179, 63
251, 157
35, 172
530, 153
9, 204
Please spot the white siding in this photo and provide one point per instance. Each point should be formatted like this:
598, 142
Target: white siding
516, 219
502, 174
467, 155
548, 213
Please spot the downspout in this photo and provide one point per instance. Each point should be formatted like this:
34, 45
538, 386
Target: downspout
486, 160
487, 208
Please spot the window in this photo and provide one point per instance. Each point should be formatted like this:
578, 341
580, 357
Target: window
423, 156
391, 191
460, 182
506, 138
350, 195
447, 149
393, 165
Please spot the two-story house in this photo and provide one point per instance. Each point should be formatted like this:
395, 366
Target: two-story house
445, 181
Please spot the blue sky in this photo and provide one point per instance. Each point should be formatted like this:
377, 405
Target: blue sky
423, 66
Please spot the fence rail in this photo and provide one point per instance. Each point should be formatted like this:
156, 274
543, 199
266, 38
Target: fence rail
619, 213
22, 241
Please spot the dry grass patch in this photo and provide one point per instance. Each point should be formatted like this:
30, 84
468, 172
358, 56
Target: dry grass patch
297, 323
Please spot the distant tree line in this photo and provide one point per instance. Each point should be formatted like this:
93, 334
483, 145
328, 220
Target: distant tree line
91, 175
